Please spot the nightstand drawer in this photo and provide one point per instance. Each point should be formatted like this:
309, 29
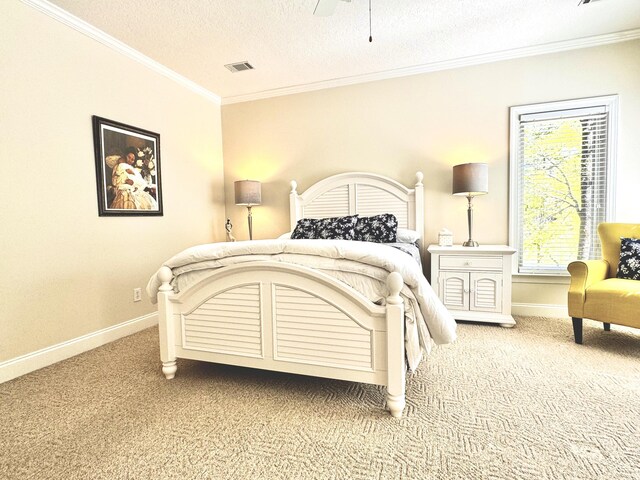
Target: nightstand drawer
469, 262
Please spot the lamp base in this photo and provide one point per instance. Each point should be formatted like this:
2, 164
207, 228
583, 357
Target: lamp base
250, 222
470, 243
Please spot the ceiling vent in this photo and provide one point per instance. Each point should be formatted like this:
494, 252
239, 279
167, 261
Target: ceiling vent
239, 67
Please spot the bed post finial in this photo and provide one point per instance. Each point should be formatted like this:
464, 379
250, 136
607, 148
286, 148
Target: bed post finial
419, 220
295, 211
165, 275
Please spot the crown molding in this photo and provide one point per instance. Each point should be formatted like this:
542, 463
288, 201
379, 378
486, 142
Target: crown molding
85, 28
546, 48
89, 30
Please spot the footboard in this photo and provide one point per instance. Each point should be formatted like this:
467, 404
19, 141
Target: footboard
286, 318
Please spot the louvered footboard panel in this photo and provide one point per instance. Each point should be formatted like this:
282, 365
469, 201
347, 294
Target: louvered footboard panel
229, 322
310, 330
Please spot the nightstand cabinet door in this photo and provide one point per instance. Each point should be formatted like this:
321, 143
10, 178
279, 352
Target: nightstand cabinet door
486, 292
454, 290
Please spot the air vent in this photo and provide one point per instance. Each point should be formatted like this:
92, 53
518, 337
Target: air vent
239, 67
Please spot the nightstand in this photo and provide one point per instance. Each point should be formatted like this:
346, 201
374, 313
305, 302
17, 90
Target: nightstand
474, 283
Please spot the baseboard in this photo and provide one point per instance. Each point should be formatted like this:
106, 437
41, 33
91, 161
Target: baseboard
30, 362
539, 310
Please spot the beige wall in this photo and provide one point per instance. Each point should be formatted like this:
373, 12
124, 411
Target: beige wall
64, 271
427, 122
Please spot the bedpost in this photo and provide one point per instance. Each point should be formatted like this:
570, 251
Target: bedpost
293, 205
165, 324
419, 197
395, 346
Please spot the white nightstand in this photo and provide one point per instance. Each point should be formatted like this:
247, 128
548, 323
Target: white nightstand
474, 283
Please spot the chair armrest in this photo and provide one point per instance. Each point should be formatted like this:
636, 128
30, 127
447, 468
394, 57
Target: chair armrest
583, 274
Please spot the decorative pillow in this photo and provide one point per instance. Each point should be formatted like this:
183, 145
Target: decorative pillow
629, 266
305, 228
407, 236
381, 228
336, 228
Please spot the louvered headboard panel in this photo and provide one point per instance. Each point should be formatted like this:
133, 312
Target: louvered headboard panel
332, 203
370, 199
363, 193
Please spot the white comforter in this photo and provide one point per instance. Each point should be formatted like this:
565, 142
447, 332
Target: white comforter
362, 265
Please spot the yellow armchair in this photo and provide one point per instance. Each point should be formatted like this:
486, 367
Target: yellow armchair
596, 293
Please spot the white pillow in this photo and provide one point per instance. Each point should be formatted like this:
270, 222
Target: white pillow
285, 236
407, 236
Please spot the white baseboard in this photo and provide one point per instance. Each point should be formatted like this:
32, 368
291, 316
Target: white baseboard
30, 362
539, 310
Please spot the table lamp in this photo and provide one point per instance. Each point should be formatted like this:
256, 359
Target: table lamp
470, 179
248, 193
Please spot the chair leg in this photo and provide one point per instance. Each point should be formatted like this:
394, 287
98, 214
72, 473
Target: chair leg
577, 329
607, 326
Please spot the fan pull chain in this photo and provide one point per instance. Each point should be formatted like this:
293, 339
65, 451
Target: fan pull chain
370, 37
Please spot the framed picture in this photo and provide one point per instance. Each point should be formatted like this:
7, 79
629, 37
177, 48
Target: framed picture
127, 169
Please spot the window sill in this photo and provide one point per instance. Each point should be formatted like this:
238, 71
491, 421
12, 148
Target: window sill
560, 279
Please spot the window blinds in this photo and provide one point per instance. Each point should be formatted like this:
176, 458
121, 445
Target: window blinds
562, 187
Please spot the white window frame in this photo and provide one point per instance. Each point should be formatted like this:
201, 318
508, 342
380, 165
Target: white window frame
610, 102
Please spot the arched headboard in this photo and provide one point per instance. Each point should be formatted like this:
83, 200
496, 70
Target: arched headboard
363, 193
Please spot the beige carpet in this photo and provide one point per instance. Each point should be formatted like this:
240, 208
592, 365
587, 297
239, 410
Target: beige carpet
522, 403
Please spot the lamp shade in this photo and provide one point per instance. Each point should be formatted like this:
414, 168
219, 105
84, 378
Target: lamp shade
470, 179
248, 192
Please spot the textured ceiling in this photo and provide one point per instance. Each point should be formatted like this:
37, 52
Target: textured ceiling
288, 46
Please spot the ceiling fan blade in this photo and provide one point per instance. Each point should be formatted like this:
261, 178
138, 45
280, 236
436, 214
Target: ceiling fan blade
325, 8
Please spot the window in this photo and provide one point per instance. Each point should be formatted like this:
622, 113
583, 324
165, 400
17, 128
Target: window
561, 169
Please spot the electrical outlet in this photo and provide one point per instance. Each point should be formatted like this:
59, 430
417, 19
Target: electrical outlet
137, 294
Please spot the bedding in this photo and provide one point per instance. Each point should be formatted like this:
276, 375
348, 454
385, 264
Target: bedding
362, 265
403, 235
406, 242
410, 249
305, 229
381, 228
336, 228
333, 228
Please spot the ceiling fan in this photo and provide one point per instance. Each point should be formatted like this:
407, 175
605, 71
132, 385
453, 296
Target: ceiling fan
325, 8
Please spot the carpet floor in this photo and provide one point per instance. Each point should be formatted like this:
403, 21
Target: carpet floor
521, 403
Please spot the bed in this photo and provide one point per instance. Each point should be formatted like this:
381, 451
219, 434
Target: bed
298, 306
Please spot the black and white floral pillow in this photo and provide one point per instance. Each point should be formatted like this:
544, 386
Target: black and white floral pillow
629, 266
381, 228
336, 228
305, 228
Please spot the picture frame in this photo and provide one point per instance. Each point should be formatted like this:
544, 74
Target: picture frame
127, 169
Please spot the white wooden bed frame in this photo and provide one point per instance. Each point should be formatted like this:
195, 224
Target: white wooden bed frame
291, 318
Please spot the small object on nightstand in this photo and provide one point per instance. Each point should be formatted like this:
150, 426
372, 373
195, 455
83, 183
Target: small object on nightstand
228, 226
445, 238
